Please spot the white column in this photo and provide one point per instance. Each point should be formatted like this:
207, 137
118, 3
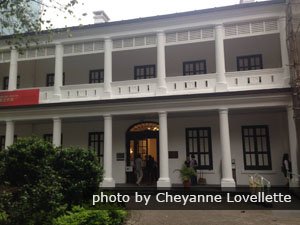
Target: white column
161, 63
56, 132
283, 47
164, 179
221, 84
227, 179
108, 180
10, 133
107, 67
58, 76
293, 142
13, 70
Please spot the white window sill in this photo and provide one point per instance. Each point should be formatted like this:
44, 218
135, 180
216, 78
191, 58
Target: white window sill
206, 171
259, 171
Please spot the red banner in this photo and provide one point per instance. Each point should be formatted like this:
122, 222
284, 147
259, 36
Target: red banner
19, 97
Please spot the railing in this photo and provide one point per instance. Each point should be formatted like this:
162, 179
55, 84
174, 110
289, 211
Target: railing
134, 88
256, 79
295, 177
258, 181
177, 85
191, 84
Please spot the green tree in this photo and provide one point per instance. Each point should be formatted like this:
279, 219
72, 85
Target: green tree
39, 181
18, 17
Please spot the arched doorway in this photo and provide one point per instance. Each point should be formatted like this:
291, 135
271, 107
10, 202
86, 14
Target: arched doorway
143, 138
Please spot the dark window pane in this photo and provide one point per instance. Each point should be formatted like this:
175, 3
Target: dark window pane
256, 148
198, 141
144, 72
249, 62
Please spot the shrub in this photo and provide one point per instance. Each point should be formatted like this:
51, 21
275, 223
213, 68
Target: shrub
39, 181
33, 184
27, 161
80, 173
82, 216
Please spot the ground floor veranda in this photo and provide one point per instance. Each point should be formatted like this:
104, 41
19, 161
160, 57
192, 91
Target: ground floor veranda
230, 143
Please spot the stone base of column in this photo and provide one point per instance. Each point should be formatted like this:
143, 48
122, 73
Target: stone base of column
106, 95
56, 97
294, 182
221, 87
227, 183
161, 91
287, 80
164, 183
108, 183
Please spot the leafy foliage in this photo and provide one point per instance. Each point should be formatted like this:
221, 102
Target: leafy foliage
27, 16
81, 216
80, 173
186, 173
38, 181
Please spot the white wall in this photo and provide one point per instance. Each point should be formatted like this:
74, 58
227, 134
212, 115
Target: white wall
4, 71
177, 54
75, 133
278, 132
267, 45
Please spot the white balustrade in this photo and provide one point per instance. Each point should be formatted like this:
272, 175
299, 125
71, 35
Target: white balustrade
136, 88
204, 83
192, 84
256, 79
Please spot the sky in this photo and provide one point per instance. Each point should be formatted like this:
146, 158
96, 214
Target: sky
129, 9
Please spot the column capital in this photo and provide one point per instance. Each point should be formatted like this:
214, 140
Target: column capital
162, 113
223, 110
160, 32
107, 116
282, 19
9, 121
107, 39
219, 26
56, 118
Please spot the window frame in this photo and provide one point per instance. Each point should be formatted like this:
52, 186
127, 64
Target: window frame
249, 66
256, 153
198, 152
145, 68
100, 145
2, 142
49, 137
194, 71
48, 75
100, 79
6, 81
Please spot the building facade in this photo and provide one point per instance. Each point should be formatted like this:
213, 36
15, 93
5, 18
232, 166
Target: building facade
211, 83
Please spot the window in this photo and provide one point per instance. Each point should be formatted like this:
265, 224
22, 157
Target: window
2, 142
50, 79
194, 67
96, 141
49, 138
256, 147
144, 72
96, 76
6, 80
249, 62
198, 143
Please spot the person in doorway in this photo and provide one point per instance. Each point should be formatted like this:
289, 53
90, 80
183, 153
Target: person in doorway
138, 169
187, 162
193, 164
286, 167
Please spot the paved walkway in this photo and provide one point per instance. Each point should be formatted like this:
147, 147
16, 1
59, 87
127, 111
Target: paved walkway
213, 217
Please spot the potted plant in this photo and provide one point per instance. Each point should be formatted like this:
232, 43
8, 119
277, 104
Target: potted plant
185, 174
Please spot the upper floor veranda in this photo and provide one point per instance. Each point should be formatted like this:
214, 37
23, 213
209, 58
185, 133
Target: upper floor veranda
234, 48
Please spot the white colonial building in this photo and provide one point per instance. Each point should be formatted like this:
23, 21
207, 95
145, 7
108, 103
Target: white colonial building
211, 83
